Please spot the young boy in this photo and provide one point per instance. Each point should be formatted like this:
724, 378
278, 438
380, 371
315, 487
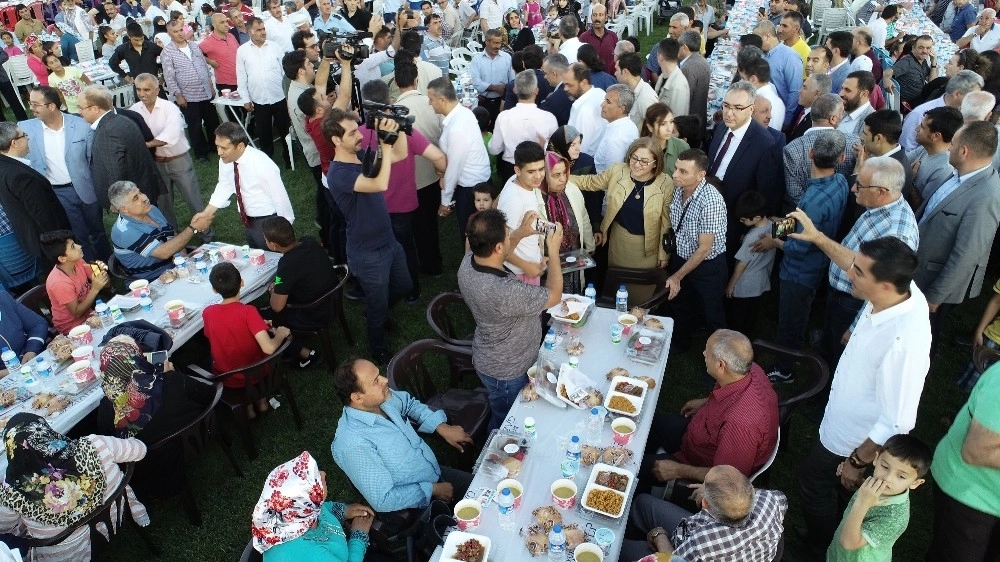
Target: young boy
73, 284
880, 510
752, 274
236, 333
986, 333
483, 200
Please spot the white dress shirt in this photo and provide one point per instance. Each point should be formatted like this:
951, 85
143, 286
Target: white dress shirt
166, 122
280, 33
569, 49
877, 386
492, 12
987, 42
618, 135
55, 155
523, 122
738, 135
645, 96
585, 116
879, 30
260, 185
777, 105
369, 69
258, 72
462, 144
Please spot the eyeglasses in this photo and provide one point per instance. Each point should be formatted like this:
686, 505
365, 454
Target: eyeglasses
34, 104
641, 161
858, 185
82, 107
21, 136
735, 108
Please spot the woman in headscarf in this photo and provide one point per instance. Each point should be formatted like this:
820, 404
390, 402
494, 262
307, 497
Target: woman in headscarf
53, 481
35, 53
148, 402
566, 142
659, 125
293, 522
564, 205
517, 36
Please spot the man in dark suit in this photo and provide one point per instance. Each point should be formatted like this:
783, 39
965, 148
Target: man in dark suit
744, 157
814, 86
119, 152
557, 103
26, 196
699, 76
958, 223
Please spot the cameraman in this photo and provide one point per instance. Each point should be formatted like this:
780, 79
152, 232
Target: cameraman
376, 259
368, 70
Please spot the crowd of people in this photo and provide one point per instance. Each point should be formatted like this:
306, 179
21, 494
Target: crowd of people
573, 141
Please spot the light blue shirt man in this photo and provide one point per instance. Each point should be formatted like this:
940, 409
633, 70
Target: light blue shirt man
786, 75
334, 24
488, 70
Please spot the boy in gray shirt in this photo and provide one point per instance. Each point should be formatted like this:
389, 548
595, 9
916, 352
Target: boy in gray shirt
752, 274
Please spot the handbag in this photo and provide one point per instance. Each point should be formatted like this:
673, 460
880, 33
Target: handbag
670, 236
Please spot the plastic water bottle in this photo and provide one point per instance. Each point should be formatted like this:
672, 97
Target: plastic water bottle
103, 313
530, 431
621, 299
557, 544
201, 267
550, 341
590, 292
116, 314
595, 423
30, 382
10, 360
43, 371
573, 449
505, 503
179, 263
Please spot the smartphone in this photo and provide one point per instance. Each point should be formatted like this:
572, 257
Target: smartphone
782, 227
762, 11
156, 357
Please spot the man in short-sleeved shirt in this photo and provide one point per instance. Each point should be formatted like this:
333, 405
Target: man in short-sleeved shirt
304, 275
134, 241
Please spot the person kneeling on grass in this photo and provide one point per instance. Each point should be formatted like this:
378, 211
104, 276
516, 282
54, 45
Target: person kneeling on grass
237, 334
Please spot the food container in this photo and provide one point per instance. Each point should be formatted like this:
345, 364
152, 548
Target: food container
623, 404
81, 335
607, 490
257, 257
646, 344
571, 309
176, 313
140, 288
83, 353
468, 514
622, 430
81, 371
456, 539
504, 455
604, 538
515, 487
564, 493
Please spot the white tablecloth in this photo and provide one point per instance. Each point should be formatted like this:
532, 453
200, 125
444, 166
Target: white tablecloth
541, 465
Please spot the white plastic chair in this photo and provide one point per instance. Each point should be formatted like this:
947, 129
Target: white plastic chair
644, 17
474, 46
290, 142
833, 19
85, 51
770, 460
123, 96
463, 54
818, 9
17, 69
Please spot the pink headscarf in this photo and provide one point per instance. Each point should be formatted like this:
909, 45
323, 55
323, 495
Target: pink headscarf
30, 41
551, 159
290, 503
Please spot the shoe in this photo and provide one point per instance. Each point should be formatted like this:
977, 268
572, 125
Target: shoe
413, 299
305, 363
777, 376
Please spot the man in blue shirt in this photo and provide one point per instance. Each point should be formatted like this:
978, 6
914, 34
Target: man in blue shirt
491, 70
329, 21
965, 16
378, 448
786, 67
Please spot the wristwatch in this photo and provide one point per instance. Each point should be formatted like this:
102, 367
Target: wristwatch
654, 533
193, 229
856, 461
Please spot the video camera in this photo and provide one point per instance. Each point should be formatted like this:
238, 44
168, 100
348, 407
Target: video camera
398, 113
334, 43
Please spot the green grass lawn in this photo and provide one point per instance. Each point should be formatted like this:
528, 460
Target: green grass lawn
226, 501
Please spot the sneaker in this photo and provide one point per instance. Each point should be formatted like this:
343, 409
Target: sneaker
777, 376
305, 363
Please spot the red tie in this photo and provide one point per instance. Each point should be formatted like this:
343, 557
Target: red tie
239, 195
721, 154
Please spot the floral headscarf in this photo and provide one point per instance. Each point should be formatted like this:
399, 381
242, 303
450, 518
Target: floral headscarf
133, 385
290, 503
50, 478
30, 41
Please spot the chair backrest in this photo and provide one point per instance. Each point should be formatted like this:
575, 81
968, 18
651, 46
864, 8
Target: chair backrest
123, 96
770, 460
196, 434
37, 299
250, 554
85, 51
443, 323
818, 374
616, 276
984, 357
408, 370
18, 70
463, 53
116, 269
263, 378
329, 298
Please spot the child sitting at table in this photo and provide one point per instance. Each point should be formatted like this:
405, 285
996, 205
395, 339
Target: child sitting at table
879, 512
73, 284
237, 334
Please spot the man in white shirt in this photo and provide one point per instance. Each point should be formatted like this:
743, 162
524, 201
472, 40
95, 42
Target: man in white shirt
520, 195
259, 77
672, 86
253, 178
468, 161
569, 29
152, 12
629, 72
585, 115
451, 24
877, 385
491, 14
523, 122
959, 85
279, 29
985, 35
758, 73
855, 92
116, 21
879, 25
620, 132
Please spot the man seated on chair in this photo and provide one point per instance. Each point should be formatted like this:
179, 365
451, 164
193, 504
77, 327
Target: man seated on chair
377, 446
143, 240
737, 424
304, 275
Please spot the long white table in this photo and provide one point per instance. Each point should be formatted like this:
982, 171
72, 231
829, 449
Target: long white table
196, 295
555, 425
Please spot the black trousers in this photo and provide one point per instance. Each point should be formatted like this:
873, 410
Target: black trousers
841, 310
425, 230
702, 290
255, 232
10, 94
961, 533
271, 121
465, 206
202, 120
666, 432
822, 497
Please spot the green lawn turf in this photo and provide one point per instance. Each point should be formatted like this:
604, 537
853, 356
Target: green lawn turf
226, 501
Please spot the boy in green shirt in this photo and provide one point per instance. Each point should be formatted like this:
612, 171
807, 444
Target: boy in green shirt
880, 510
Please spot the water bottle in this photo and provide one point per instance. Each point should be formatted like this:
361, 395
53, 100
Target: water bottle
30, 382
43, 371
550, 341
530, 431
10, 360
557, 544
505, 503
201, 267
116, 314
179, 263
574, 362
103, 313
621, 299
590, 292
595, 423
573, 449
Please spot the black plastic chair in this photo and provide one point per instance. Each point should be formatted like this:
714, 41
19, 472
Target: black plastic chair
195, 437
37, 299
264, 379
250, 554
117, 270
443, 323
616, 276
817, 377
334, 301
984, 357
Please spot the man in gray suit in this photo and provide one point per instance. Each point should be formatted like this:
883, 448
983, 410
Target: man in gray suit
957, 224
119, 152
698, 74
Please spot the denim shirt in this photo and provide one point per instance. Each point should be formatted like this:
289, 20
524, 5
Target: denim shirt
823, 202
385, 459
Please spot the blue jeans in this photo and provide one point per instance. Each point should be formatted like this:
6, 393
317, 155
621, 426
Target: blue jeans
402, 230
384, 278
85, 221
502, 393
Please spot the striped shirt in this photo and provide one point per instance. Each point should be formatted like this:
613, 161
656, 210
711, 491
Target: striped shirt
186, 72
895, 219
134, 242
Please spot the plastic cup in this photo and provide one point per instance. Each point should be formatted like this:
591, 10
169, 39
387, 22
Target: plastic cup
622, 430
147, 303
616, 333
81, 335
228, 252
604, 537
561, 486
138, 287
226, 92
83, 353
175, 312
515, 488
468, 514
81, 371
257, 257
588, 552
627, 321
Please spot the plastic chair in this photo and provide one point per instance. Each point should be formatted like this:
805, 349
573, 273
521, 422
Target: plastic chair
819, 7
250, 554
441, 322
816, 380
264, 379
123, 96
37, 299
630, 276
833, 20
20, 75
468, 408
195, 437
102, 515
290, 141
334, 301
762, 471
984, 357
85, 51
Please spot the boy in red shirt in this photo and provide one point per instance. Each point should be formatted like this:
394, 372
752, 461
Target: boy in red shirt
236, 332
73, 284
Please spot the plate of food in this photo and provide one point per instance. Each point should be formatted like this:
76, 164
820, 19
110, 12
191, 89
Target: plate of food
504, 457
466, 547
607, 490
571, 309
624, 404
630, 386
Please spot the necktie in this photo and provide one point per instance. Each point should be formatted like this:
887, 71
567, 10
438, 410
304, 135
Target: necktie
239, 195
938, 196
721, 154
799, 117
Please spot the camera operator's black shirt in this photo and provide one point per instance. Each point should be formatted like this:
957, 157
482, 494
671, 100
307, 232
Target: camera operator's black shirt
368, 226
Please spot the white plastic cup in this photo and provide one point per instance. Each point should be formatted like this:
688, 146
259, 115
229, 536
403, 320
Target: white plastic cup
622, 437
468, 523
138, 287
175, 312
257, 257
564, 503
